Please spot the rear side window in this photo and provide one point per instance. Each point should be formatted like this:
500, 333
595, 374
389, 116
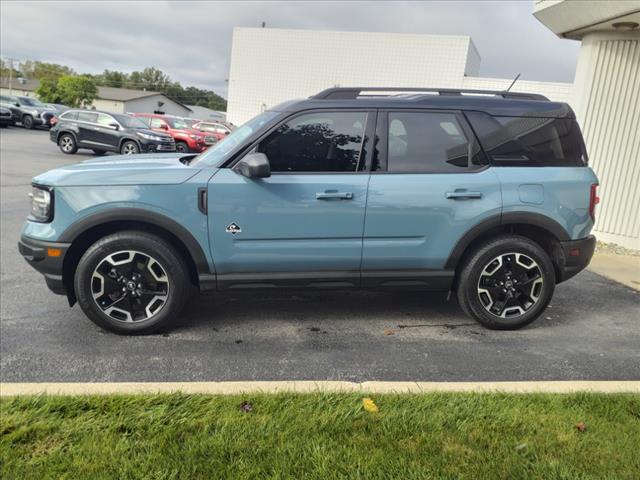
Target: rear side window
429, 142
71, 115
317, 142
87, 117
529, 141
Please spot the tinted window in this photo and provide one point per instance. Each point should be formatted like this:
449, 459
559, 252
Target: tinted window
529, 141
317, 142
131, 122
87, 117
105, 120
428, 142
69, 116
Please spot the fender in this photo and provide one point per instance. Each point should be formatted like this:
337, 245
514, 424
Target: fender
510, 218
145, 216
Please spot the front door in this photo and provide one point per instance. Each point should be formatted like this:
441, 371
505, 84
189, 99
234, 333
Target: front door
429, 186
303, 225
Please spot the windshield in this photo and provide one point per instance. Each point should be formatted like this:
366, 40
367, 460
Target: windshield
177, 123
189, 122
32, 102
130, 122
218, 152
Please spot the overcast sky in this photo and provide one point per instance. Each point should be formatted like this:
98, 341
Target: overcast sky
191, 41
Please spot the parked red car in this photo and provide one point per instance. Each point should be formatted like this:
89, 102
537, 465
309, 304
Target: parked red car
217, 129
187, 139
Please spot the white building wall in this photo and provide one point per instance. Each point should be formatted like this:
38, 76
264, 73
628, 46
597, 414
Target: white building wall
150, 104
606, 99
108, 105
557, 92
269, 66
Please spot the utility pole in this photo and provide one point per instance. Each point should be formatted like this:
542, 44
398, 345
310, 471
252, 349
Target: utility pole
11, 60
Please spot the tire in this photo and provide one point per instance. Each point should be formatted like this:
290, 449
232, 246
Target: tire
182, 147
129, 148
27, 122
99, 152
506, 282
67, 144
133, 311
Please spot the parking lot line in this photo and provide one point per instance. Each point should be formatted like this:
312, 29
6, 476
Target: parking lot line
230, 388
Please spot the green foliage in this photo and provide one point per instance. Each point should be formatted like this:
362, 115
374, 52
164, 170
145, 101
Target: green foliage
6, 71
42, 70
156, 80
321, 436
48, 92
76, 91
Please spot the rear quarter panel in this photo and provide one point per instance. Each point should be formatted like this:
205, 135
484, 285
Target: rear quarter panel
561, 193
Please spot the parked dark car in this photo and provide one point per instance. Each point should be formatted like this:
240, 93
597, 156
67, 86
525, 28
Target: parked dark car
57, 109
107, 132
6, 117
26, 110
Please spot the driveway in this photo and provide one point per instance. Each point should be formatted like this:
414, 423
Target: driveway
590, 332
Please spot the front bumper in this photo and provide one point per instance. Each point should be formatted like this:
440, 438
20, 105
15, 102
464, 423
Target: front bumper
155, 146
577, 255
47, 258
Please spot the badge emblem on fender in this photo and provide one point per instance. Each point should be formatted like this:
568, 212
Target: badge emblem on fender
233, 229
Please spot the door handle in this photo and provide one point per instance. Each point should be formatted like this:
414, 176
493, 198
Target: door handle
462, 195
333, 195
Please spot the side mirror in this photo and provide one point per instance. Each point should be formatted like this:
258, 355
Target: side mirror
254, 165
115, 126
17, 104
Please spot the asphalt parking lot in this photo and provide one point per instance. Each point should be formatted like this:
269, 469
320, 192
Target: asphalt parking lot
591, 331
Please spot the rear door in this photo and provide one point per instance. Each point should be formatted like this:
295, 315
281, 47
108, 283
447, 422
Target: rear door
87, 123
303, 225
105, 133
429, 186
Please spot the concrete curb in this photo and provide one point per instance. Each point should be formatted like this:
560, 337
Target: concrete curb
227, 388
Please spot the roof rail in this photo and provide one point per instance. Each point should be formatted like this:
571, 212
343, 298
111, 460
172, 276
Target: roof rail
351, 93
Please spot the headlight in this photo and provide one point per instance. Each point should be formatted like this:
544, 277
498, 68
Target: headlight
35, 113
148, 136
41, 204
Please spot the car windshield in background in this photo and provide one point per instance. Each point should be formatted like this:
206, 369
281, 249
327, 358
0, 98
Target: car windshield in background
189, 122
178, 124
218, 152
32, 102
130, 122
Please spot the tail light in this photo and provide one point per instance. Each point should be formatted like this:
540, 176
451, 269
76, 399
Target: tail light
594, 199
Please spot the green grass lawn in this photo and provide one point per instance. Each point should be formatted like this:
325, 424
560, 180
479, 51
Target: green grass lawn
320, 436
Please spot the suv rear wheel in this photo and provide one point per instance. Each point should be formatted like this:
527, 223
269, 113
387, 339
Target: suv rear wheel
67, 143
131, 282
506, 283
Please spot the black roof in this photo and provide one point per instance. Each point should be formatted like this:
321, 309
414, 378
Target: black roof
499, 103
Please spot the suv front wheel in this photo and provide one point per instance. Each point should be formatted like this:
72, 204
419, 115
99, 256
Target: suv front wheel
132, 282
506, 283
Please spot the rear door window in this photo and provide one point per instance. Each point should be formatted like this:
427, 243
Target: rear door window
87, 117
529, 141
429, 142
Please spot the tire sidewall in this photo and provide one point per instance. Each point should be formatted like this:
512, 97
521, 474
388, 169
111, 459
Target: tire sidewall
27, 122
124, 144
482, 257
73, 140
145, 243
183, 146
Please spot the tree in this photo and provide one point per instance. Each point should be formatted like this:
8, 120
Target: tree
47, 91
42, 70
77, 91
112, 78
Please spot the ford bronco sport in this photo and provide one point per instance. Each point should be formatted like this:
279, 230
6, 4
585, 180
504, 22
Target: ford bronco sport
484, 194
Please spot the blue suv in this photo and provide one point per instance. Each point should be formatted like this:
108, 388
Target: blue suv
487, 195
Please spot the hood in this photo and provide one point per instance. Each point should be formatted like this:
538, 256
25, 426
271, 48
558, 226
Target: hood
145, 169
37, 109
